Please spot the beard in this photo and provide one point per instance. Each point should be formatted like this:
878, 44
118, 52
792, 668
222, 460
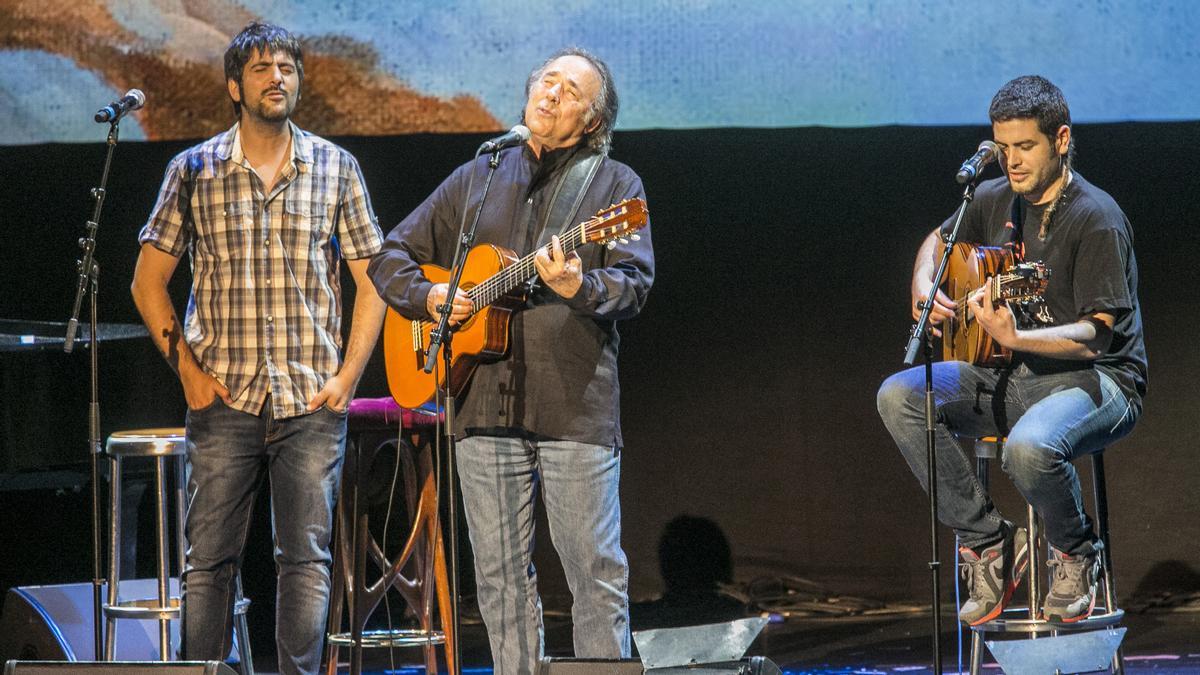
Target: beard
1026, 188
266, 110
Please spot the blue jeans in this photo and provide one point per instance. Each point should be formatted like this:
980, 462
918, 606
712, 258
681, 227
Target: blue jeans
229, 454
1050, 419
499, 477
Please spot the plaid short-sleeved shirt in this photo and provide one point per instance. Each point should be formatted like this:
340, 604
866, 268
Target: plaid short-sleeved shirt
264, 316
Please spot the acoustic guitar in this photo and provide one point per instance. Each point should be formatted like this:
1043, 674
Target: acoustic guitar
1010, 281
496, 281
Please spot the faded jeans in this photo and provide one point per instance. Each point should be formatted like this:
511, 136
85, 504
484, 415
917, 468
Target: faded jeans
579, 484
1049, 419
229, 454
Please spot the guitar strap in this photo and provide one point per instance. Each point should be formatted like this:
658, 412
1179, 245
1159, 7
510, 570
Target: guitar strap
568, 194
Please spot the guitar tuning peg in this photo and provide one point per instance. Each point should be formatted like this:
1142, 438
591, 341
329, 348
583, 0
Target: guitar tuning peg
611, 245
623, 240
635, 237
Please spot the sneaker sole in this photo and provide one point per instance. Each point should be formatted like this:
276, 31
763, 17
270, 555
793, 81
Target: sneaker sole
1086, 615
1022, 563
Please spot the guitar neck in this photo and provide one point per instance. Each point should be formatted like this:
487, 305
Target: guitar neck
996, 287
509, 278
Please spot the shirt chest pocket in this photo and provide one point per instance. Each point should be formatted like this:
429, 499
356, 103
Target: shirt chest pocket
224, 229
307, 222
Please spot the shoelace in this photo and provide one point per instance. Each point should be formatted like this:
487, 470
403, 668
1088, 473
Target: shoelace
971, 571
1071, 571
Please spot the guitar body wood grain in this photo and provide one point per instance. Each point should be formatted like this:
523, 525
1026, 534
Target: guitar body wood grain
483, 337
963, 339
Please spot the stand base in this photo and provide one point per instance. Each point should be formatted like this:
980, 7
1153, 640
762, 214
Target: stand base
414, 637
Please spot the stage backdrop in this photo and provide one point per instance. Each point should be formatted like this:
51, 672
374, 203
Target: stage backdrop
784, 247
400, 67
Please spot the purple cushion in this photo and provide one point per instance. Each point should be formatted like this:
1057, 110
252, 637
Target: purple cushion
384, 414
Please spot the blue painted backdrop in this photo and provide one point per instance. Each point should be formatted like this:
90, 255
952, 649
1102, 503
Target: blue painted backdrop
688, 63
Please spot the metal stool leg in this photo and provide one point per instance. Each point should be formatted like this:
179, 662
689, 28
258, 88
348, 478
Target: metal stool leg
114, 557
180, 514
1100, 493
242, 628
164, 568
984, 450
162, 445
1035, 563
976, 651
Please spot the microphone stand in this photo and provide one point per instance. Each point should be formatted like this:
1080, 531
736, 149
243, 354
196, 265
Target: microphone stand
466, 239
918, 338
89, 275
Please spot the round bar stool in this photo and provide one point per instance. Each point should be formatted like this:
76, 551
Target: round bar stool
161, 445
418, 571
1027, 621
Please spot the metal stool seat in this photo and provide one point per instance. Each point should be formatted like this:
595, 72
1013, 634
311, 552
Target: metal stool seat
161, 445
1027, 620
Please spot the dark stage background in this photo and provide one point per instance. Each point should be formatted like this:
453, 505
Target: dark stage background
748, 382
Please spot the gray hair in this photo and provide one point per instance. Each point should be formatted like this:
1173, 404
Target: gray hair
604, 106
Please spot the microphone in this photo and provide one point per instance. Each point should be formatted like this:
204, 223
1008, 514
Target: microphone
515, 136
985, 155
133, 99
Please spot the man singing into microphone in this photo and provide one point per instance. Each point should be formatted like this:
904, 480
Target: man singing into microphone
547, 415
266, 211
1076, 380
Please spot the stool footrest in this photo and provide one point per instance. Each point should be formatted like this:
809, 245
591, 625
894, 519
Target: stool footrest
1016, 620
142, 609
150, 609
405, 637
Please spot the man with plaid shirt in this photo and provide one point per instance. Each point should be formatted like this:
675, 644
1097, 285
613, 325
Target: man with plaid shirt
266, 211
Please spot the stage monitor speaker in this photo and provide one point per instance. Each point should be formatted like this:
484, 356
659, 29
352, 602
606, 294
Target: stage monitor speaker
116, 668
557, 666
54, 623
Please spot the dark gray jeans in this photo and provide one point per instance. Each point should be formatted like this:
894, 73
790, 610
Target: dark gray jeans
229, 453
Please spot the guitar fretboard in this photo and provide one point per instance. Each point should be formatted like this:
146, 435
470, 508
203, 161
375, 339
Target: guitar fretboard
507, 279
504, 281
609, 224
996, 288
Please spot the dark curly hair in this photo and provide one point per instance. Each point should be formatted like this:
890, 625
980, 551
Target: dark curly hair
1033, 97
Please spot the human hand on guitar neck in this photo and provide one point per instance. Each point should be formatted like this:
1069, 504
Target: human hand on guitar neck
563, 273
1086, 339
996, 320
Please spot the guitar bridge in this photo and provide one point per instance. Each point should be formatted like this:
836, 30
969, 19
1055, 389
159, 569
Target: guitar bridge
418, 336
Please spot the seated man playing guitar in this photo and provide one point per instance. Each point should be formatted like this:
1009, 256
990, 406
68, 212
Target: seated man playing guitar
547, 414
1072, 386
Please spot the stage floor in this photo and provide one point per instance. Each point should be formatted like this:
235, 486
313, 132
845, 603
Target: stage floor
1156, 642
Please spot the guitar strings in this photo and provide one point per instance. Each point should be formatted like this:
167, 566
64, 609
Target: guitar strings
491, 289
514, 275
995, 284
